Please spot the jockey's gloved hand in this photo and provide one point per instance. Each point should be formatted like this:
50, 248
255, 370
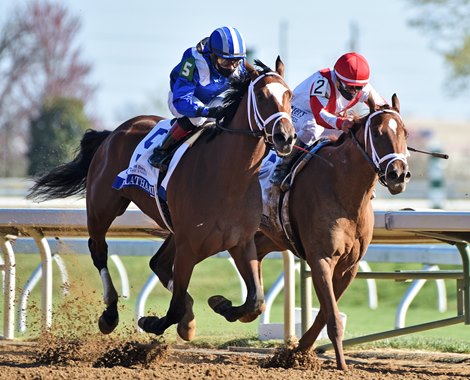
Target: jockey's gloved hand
346, 125
215, 112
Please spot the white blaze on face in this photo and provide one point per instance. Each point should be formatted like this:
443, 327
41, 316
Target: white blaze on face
277, 90
393, 125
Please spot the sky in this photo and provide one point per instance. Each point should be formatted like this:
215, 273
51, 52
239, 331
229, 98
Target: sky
133, 45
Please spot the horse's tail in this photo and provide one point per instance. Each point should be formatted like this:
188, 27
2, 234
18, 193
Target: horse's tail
69, 179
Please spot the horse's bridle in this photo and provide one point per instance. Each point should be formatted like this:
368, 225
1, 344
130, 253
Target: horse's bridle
376, 160
260, 122
258, 119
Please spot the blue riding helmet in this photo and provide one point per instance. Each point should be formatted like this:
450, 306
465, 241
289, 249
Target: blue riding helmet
227, 42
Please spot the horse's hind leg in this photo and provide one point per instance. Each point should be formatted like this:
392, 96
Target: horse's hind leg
185, 260
162, 265
99, 220
249, 268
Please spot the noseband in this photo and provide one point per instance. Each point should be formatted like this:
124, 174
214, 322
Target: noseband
260, 122
374, 159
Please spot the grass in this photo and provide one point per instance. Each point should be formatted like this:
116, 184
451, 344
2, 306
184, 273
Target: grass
80, 309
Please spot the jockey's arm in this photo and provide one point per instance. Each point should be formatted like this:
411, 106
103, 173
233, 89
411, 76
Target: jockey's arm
184, 100
322, 116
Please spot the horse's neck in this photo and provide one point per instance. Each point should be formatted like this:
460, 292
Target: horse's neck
245, 149
253, 147
354, 174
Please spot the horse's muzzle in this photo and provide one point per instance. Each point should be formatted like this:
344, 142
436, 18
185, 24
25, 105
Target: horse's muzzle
284, 138
396, 179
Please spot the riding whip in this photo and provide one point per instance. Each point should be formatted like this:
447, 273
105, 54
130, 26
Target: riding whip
434, 154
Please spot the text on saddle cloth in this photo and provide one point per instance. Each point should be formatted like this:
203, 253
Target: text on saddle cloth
143, 175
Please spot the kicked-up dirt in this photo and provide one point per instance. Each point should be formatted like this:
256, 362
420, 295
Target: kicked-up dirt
53, 358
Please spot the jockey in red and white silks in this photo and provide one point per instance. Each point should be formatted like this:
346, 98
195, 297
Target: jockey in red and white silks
327, 100
324, 99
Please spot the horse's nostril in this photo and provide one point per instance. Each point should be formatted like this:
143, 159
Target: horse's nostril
393, 175
279, 137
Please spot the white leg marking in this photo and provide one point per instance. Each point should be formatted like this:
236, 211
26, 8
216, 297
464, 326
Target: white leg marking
170, 286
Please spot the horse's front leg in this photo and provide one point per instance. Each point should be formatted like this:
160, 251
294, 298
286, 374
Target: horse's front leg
162, 265
249, 267
182, 271
99, 253
322, 275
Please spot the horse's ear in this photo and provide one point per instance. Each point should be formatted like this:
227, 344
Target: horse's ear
252, 72
371, 103
280, 66
395, 103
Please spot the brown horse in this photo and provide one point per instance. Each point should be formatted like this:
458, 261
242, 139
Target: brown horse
330, 215
326, 217
214, 195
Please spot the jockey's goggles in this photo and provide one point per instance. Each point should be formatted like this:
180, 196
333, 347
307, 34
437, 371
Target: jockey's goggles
350, 89
228, 62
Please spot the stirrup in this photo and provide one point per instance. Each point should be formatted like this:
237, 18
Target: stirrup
285, 184
157, 160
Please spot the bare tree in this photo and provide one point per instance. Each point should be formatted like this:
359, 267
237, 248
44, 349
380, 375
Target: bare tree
39, 59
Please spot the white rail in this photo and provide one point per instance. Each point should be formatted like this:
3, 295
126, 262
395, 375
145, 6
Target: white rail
393, 227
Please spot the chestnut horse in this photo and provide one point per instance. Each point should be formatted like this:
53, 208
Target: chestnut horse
214, 195
326, 217
330, 213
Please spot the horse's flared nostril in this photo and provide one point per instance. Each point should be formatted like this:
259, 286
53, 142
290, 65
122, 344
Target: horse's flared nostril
392, 175
279, 138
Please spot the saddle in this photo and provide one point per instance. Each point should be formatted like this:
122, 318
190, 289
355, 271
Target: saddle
190, 139
301, 161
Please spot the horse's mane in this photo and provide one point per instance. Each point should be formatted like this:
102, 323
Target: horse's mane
238, 88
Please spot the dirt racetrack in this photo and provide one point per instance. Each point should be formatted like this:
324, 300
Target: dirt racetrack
132, 360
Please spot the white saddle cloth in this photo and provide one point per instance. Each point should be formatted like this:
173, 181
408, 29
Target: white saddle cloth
143, 175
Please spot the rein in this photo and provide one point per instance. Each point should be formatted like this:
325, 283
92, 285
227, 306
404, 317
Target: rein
260, 122
376, 160
243, 132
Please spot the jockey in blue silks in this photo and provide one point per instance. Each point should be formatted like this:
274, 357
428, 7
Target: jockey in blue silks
196, 83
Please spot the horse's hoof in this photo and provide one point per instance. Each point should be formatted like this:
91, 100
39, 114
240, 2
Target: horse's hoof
223, 306
187, 331
249, 317
107, 327
150, 325
219, 304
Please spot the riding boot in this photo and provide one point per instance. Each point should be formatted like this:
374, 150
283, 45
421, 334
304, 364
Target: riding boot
282, 167
162, 152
